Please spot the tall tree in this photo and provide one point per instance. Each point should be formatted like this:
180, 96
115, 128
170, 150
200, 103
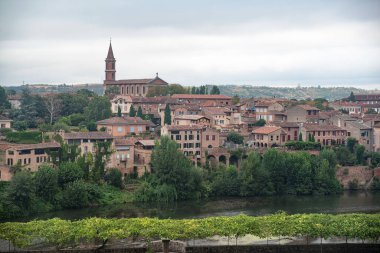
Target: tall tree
132, 112
118, 111
167, 116
53, 105
139, 112
215, 90
99, 108
352, 97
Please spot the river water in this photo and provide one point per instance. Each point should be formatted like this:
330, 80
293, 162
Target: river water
348, 202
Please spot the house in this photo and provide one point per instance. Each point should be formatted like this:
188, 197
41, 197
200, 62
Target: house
28, 156
361, 132
268, 136
5, 122
15, 101
217, 100
191, 120
291, 129
327, 135
269, 111
123, 156
220, 116
123, 102
125, 126
86, 141
350, 107
303, 113
368, 98
143, 156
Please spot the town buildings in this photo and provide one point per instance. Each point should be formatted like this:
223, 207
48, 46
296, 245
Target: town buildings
5, 122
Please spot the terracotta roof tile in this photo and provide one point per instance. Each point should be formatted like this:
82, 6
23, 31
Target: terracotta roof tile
266, 130
87, 135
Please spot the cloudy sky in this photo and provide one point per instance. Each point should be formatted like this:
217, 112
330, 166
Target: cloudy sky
281, 43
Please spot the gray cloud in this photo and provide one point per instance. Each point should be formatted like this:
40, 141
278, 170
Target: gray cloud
192, 42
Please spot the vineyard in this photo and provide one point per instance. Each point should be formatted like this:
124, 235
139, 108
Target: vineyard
63, 233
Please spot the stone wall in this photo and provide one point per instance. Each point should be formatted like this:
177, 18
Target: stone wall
326, 248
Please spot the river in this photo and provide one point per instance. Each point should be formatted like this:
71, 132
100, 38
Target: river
348, 202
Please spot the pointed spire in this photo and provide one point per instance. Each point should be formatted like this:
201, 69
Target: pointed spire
110, 52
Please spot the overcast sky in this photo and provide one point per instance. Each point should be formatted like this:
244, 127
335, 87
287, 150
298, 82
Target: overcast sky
332, 42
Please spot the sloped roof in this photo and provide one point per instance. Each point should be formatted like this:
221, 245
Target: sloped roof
124, 121
266, 130
183, 127
316, 127
308, 107
190, 117
199, 96
35, 146
110, 52
87, 135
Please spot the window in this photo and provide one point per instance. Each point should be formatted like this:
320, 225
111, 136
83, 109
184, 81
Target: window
178, 137
271, 137
139, 129
213, 137
132, 129
207, 137
191, 137
119, 129
197, 145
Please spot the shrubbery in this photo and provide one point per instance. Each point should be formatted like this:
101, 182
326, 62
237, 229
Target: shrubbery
26, 137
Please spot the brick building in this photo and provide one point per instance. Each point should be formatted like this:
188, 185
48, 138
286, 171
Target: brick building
268, 136
325, 134
303, 113
125, 126
132, 87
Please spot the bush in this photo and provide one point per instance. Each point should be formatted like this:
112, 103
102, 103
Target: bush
78, 194
69, 172
25, 137
21, 190
303, 145
77, 119
235, 138
114, 177
46, 180
353, 184
5, 131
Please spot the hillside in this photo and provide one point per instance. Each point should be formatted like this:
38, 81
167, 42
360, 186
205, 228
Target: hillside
330, 93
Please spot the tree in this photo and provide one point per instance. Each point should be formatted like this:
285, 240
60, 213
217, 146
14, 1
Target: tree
69, 172
21, 190
114, 178
300, 137
235, 138
174, 170
215, 90
46, 180
101, 157
351, 142
352, 97
225, 182
4, 103
132, 112
235, 99
325, 180
79, 194
330, 156
255, 180
167, 116
139, 112
260, 122
112, 90
359, 152
53, 105
118, 111
98, 108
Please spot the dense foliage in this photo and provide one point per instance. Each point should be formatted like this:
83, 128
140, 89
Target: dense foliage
26, 137
70, 233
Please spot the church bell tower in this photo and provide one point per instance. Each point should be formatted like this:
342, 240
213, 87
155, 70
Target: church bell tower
110, 65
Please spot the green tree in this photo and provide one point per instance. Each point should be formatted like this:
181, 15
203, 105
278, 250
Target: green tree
114, 178
260, 122
235, 99
225, 182
132, 112
4, 103
274, 162
351, 142
330, 156
352, 97
325, 180
359, 152
167, 116
98, 108
140, 112
101, 157
255, 180
215, 90
69, 172
235, 138
46, 181
21, 190
79, 194
300, 137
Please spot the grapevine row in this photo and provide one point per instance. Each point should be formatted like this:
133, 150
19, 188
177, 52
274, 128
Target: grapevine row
64, 232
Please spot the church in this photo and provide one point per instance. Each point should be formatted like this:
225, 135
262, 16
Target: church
131, 87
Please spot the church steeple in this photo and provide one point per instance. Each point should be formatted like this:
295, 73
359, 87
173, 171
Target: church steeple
110, 65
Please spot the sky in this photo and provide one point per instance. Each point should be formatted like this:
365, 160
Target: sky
277, 43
